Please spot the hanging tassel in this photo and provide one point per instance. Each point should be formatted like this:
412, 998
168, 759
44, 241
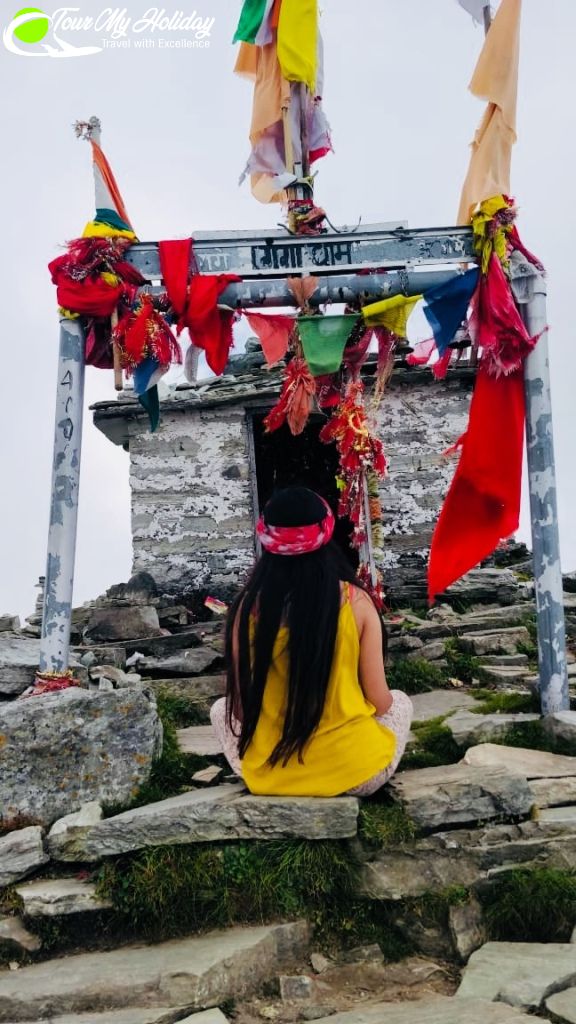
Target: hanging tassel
295, 403
144, 332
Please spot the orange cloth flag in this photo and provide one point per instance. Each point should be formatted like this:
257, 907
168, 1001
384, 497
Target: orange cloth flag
271, 94
495, 79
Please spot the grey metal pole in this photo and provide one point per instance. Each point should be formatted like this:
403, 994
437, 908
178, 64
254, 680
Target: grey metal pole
56, 620
544, 511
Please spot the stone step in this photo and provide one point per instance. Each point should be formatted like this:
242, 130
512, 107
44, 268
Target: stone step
193, 662
458, 794
532, 764
212, 814
200, 740
507, 675
505, 660
194, 688
195, 973
474, 622
437, 1010
521, 974
468, 728
440, 702
498, 641
53, 897
21, 852
141, 1015
562, 1006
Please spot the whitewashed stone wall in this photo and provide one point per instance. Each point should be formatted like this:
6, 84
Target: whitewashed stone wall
192, 505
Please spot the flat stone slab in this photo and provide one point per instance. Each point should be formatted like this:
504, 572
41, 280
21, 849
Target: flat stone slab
186, 663
200, 740
437, 1010
533, 764
53, 897
14, 932
563, 1006
20, 853
191, 972
210, 815
65, 749
564, 815
141, 1015
522, 974
554, 792
468, 728
72, 828
497, 641
440, 702
19, 659
195, 688
459, 793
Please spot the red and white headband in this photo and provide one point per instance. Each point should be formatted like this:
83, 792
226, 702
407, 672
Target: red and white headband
296, 540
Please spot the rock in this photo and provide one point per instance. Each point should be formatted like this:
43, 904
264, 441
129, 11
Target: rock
191, 972
207, 776
521, 974
320, 963
122, 623
20, 853
195, 688
554, 792
295, 987
113, 674
364, 954
431, 651
485, 620
459, 793
425, 867
141, 1015
533, 764
405, 642
55, 897
562, 1006
140, 589
66, 749
424, 933
468, 728
559, 814
501, 641
190, 663
19, 659
68, 831
105, 655
440, 702
561, 725
569, 582
13, 933
9, 623
466, 926
212, 815
316, 1012
505, 660
505, 675
200, 740
435, 1010
269, 1012
482, 586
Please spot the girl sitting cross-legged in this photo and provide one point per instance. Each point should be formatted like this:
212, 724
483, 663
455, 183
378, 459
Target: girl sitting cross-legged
307, 710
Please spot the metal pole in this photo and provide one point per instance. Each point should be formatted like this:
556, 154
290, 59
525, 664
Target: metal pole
544, 512
56, 620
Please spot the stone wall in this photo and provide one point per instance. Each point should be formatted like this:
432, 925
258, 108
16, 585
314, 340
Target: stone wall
192, 504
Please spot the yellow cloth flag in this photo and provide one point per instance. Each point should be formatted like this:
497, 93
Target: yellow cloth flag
96, 230
485, 240
495, 79
391, 313
298, 41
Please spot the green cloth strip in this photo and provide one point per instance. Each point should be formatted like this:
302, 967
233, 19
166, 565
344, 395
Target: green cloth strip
323, 339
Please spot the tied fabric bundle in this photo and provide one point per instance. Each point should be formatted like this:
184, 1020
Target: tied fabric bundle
295, 403
194, 298
93, 276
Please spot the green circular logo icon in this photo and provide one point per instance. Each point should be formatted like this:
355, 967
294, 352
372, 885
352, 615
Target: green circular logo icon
35, 29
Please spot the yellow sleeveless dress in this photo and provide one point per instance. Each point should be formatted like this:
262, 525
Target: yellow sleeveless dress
349, 745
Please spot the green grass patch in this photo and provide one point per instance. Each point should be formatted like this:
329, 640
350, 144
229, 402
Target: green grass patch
414, 675
174, 890
461, 664
531, 906
434, 745
386, 826
533, 736
179, 710
493, 702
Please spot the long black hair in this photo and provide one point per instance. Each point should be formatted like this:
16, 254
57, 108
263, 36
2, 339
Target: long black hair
301, 592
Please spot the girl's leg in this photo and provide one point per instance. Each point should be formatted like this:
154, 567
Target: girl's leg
398, 720
227, 738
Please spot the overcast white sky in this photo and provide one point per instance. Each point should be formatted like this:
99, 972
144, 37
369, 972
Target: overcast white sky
175, 130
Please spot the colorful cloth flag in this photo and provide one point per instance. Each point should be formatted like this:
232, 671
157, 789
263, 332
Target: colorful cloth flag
111, 220
392, 313
145, 378
483, 504
495, 79
274, 333
323, 339
251, 18
446, 306
475, 8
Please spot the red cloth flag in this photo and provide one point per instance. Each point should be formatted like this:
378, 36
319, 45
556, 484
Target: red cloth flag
274, 333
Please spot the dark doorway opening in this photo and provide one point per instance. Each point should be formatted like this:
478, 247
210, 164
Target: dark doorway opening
283, 460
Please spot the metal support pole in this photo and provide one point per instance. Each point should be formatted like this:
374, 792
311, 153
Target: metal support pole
56, 620
544, 512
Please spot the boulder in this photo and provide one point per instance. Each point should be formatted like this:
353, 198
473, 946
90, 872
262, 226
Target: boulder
498, 641
189, 663
20, 853
434, 1010
561, 725
200, 740
532, 764
212, 815
466, 926
192, 972
70, 830
122, 623
55, 897
13, 933
522, 974
459, 794
19, 659
468, 728
66, 749
9, 623
141, 589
